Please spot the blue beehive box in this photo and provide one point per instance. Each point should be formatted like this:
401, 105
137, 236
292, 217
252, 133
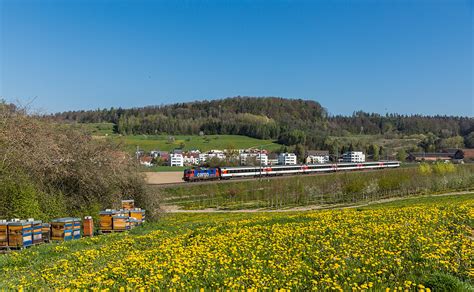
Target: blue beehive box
20, 234
76, 231
62, 229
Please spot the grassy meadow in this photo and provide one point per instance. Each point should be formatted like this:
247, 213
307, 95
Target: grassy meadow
423, 245
188, 142
169, 142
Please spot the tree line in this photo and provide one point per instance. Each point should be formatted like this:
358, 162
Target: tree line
288, 121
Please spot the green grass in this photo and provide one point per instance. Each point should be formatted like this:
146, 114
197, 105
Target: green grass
95, 129
423, 200
203, 143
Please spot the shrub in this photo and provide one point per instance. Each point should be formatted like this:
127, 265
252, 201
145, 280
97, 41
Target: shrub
425, 169
50, 171
443, 167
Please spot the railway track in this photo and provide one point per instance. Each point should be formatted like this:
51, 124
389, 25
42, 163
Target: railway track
217, 181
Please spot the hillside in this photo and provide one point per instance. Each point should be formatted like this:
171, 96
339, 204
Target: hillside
288, 121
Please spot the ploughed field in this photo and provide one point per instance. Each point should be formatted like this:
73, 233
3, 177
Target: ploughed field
418, 244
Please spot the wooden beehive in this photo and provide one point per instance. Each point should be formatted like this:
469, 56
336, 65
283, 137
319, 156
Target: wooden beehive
62, 229
20, 234
105, 220
3, 233
138, 214
37, 231
132, 222
88, 226
46, 232
119, 222
128, 204
76, 232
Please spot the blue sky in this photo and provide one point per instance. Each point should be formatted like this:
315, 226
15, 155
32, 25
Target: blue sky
378, 56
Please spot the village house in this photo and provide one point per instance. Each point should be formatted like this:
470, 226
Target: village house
146, 161
162, 155
287, 159
451, 154
353, 156
260, 158
317, 157
191, 158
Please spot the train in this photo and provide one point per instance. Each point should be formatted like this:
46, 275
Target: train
222, 173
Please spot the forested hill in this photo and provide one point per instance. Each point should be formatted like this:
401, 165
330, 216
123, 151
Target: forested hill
290, 121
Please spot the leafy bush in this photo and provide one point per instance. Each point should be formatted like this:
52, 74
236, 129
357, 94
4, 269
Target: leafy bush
425, 169
442, 167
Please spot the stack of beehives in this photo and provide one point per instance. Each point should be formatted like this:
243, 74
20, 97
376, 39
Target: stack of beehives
3, 233
138, 214
128, 204
121, 220
76, 228
62, 229
46, 232
20, 233
88, 226
37, 232
106, 220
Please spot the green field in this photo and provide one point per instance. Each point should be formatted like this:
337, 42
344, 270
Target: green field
188, 142
418, 245
170, 142
95, 129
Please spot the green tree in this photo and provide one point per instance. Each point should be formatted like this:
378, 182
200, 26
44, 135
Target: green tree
401, 155
428, 143
374, 151
300, 152
469, 140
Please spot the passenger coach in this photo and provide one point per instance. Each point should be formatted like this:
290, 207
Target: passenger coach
256, 171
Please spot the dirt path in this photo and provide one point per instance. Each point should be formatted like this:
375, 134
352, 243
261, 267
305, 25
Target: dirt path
164, 178
177, 209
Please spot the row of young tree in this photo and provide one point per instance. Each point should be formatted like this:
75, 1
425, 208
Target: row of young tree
289, 121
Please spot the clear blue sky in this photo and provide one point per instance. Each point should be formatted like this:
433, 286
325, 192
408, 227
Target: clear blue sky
379, 56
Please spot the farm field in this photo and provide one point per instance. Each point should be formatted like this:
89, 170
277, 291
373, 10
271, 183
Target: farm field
188, 142
424, 245
164, 143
